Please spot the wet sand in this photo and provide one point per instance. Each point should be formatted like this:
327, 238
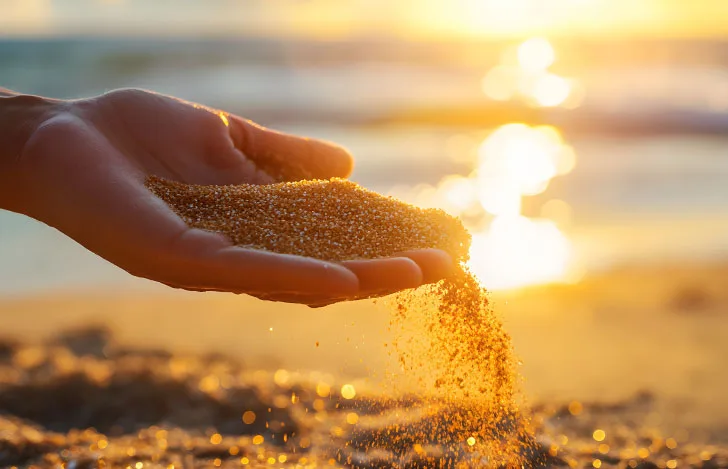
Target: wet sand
636, 354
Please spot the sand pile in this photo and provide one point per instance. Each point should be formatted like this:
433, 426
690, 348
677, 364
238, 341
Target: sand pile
331, 220
450, 344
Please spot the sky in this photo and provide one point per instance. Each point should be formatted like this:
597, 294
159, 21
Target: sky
341, 18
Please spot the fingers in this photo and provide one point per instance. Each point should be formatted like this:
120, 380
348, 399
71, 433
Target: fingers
287, 157
385, 275
434, 263
376, 278
381, 277
203, 260
300, 299
280, 277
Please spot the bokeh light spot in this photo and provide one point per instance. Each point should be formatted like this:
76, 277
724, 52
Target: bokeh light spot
550, 90
536, 54
348, 391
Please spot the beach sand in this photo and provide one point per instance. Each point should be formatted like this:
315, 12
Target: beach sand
624, 369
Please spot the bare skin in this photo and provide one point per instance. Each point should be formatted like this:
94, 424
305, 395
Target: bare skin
79, 166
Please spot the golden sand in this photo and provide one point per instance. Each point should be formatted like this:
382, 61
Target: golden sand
331, 220
152, 408
448, 340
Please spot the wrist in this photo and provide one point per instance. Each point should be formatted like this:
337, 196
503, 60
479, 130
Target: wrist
20, 117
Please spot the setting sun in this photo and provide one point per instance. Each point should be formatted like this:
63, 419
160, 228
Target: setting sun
518, 18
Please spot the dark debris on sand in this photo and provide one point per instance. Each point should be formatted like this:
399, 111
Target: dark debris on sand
78, 401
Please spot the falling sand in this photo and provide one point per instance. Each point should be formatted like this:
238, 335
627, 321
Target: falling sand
454, 357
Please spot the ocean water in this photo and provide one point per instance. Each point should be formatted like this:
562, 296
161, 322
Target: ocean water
649, 183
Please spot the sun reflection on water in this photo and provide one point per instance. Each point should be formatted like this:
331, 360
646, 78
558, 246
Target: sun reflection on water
514, 161
536, 54
509, 249
524, 73
517, 251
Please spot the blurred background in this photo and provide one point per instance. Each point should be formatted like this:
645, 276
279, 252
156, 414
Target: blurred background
582, 141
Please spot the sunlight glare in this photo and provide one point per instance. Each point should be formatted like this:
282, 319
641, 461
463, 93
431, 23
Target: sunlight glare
517, 251
517, 160
524, 157
458, 194
498, 196
550, 90
523, 73
536, 54
508, 249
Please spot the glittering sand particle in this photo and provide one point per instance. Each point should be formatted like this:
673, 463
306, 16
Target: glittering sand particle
448, 341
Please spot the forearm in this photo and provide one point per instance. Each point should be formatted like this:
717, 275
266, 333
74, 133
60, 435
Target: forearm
20, 116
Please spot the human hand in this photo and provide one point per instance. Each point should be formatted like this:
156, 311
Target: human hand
82, 171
